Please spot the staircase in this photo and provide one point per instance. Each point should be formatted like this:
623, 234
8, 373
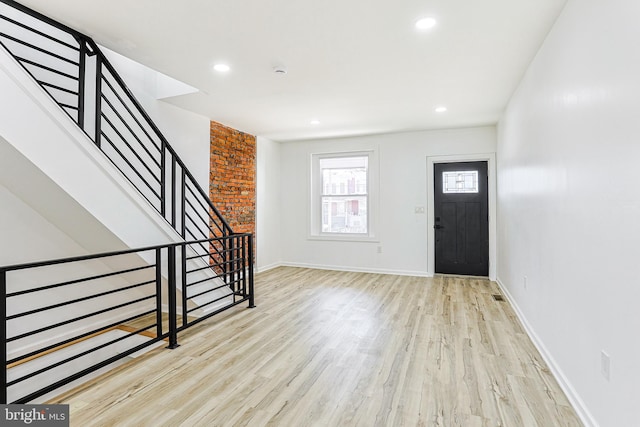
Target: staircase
73, 139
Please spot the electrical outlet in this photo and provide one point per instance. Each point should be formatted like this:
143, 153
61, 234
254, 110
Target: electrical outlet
524, 282
419, 209
379, 249
605, 365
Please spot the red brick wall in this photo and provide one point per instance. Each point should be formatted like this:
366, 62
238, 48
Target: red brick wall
232, 176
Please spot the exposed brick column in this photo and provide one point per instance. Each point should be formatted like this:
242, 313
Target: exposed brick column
232, 176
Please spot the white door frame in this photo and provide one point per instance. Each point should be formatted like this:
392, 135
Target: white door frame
490, 158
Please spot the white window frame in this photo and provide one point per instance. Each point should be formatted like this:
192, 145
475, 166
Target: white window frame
315, 229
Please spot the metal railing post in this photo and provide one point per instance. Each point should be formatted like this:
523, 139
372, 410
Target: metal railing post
231, 262
173, 328
163, 178
252, 302
3, 334
159, 292
82, 64
240, 261
244, 264
173, 193
98, 112
224, 242
183, 206
184, 284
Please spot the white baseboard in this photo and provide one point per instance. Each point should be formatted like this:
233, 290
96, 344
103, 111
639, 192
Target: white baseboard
267, 267
577, 402
357, 269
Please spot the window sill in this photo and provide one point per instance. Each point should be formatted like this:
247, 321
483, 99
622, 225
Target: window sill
343, 238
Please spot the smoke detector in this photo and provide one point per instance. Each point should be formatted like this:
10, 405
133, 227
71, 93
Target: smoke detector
280, 69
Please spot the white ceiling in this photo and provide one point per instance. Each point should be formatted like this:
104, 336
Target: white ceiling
358, 66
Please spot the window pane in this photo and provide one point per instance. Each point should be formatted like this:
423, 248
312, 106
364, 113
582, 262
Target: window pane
344, 214
344, 175
460, 182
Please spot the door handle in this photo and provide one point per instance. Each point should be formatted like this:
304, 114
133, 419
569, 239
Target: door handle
438, 226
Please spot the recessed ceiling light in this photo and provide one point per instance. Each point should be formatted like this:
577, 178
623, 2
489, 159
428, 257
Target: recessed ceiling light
441, 109
315, 122
426, 23
221, 68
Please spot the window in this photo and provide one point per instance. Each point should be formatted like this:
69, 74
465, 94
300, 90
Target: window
460, 182
341, 200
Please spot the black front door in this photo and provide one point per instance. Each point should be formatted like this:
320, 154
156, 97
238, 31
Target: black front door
461, 218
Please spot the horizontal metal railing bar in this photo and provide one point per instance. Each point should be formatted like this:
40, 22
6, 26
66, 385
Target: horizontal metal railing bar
104, 79
226, 251
135, 153
189, 258
158, 181
77, 300
138, 331
113, 253
74, 357
206, 267
202, 246
216, 262
205, 248
92, 368
73, 107
206, 208
197, 199
40, 33
44, 67
225, 285
212, 219
122, 120
75, 319
207, 254
236, 270
187, 216
219, 263
210, 302
44, 18
60, 88
39, 49
127, 176
209, 315
76, 281
78, 337
225, 225
235, 281
123, 157
197, 282
195, 211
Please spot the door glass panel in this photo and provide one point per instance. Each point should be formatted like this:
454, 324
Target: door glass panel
460, 182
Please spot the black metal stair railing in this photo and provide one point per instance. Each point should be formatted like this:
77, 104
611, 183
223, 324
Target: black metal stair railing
71, 68
94, 310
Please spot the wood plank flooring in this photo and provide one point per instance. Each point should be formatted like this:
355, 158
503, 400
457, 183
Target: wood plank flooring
326, 348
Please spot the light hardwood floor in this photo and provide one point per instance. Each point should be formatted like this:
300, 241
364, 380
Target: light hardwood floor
327, 348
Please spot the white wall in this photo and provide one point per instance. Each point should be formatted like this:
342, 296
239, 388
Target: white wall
569, 205
268, 203
400, 232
